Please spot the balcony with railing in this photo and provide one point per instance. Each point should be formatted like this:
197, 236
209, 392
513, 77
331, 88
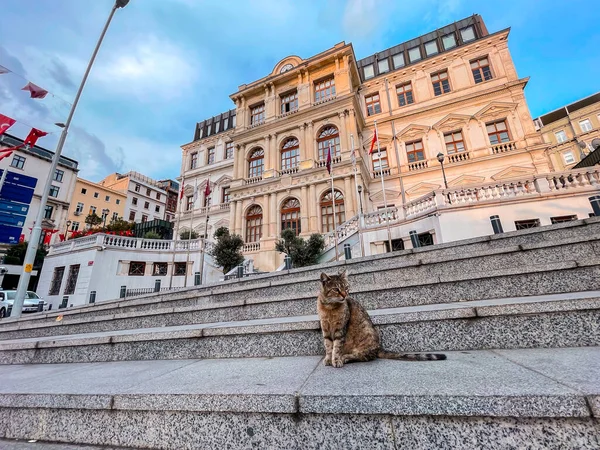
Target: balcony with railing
253, 180
323, 162
505, 147
251, 247
324, 100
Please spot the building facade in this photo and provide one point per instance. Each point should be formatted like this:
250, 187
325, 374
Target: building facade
451, 97
146, 199
172, 189
90, 197
35, 162
570, 130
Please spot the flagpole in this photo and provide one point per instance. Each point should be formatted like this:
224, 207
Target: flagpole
335, 238
353, 156
387, 216
205, 233
187, 256
175, 236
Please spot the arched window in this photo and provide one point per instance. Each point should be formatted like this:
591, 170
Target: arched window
254, 218
256, 163
290, 154
327, 211
290, 215
329, 136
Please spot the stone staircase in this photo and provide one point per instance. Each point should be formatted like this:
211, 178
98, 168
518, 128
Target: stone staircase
238, 364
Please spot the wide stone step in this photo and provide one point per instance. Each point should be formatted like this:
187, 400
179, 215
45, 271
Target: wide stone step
577, 241
513, 272
565, 320
482, 399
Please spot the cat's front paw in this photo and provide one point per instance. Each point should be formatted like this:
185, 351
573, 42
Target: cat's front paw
327, 361
337, 362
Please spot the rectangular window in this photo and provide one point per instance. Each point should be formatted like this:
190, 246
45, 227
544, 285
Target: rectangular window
405, 94
233, 121
137, 269
398, 60
525, 224
92, 210
228, 150
58, 175
189, 203
84, 191
48, 212
115, 216
414, 151
132, 216
210, 155
498, 132
18, 162
180, 268
324, 89
431, 48
561, 136
289, 102
79, 208
146, 205
257, 114
157, 209
585, 125
96, 195
134, 201
217, 124
562, 219
193, 160
441, 83
369, 71
449, 41
118, 201
414, 54
72, 279
158, 196
225, 198
568, 157
144, 218
425, 239
57, 277
373, 105
454, 142
107, 198
148, 192
467, 34
137, 188
160, 269
74, 226
481, 70
383, 66
380, 163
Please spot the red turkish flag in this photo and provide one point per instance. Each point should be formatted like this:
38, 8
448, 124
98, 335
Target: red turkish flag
5, 123
47, 238
207, 191
373, 142
35, 91
61, 237
33, 136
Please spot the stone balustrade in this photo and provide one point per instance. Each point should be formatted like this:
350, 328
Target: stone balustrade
505, 147
251, 247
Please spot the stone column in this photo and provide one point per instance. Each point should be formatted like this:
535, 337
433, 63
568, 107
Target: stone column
312, 140
344, 145
303, 143
304, 210
266, 208
232, 217
272, 218
348, 198
267, 160
273, 153
312, 209
239, 221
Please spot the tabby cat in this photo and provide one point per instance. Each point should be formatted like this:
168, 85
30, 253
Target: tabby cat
348, 333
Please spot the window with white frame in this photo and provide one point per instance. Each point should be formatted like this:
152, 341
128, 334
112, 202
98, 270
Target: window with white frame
568, 157
467, 34
449, 41
431, 48
561, 136
383, 66
585, 125
398, 60
369, 71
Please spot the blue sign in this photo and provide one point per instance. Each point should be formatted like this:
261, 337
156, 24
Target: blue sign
20, 180
9, 207
12, 220
16, 193
10, 235
15, 197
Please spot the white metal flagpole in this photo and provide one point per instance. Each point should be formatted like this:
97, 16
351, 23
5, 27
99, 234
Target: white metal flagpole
387, 216
335, 239
175, 234
189, 244
208, 189
360, 218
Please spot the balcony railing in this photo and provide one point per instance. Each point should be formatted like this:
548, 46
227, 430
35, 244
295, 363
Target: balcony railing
251, 247
289, 113
505, 147
323, 162
459, 157
256, 124
290, 170
418, 165
253, 180
324, 100
385, 172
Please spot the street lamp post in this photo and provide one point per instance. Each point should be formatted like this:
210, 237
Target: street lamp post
37, 227
440, 158
360, 188
67, 230
104, 214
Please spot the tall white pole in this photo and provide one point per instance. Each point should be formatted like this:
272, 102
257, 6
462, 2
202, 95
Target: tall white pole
387, 216
175, 234
203, 250
3, 178
37, 226
360, 218
189, 244
335, 238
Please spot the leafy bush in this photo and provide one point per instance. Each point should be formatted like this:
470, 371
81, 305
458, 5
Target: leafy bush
152, 235
227, 250
186, 235
303, 253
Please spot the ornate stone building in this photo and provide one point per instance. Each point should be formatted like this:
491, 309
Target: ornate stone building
454, 91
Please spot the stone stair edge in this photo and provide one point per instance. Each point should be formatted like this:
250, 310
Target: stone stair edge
449, 311
481, 239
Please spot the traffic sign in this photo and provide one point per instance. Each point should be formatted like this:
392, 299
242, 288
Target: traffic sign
9, 235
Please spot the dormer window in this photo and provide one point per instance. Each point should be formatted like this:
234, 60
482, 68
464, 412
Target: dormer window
289, 102
368, 71
467, 34
217, 124
383, 66
398, 60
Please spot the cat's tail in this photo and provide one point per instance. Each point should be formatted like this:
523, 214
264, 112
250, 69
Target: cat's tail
411, 356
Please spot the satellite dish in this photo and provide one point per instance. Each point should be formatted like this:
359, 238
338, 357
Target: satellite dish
595, 143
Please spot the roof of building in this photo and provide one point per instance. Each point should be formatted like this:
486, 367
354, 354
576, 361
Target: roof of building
564, 111
215, 125
9, 140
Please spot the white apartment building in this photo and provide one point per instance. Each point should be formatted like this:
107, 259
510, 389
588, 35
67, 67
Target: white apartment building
35, 162
146, 199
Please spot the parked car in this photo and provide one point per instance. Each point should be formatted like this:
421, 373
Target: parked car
33, 302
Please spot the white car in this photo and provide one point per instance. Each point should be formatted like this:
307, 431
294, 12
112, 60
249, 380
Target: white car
31, 304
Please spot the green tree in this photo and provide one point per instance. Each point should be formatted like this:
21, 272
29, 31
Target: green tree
152, 235
120, 225
227, 250
16, 254
93, 219
186, 235
303, 253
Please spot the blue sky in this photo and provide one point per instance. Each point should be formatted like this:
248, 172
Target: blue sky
167, 64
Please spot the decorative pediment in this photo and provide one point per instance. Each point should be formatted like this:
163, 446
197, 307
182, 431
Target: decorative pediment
466, 179
383, 140
222, 223
286, 64
513, 172
495, 110
452, 122
412, 131
389, 195
421, 189
223, 179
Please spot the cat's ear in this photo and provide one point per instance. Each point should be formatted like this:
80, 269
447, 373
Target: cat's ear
324, 278
343, 274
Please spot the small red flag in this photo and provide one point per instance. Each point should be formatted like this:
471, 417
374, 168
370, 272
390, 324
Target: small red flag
373, 142
5, 123
35, 91
61, 237
33, 136
328, 163
207, 191
181, 192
